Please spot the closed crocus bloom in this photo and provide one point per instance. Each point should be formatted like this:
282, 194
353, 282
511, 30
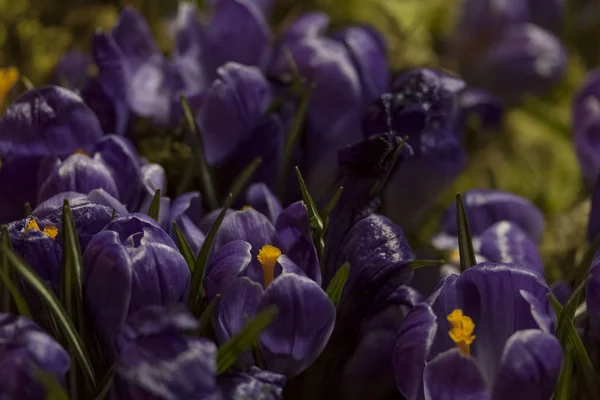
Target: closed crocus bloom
157, 360
422, 106
131, 263
49, 121
252, 384
479, 104
586, 127
484, 334
485, 207
186, 211
25, 350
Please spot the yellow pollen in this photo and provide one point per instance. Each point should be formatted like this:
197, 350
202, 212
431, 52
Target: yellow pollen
454, 257
462, 330
244, 208
81, 151
8, 79
267, 256
51, 231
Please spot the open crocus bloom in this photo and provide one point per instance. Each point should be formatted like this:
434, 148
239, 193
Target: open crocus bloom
485, 334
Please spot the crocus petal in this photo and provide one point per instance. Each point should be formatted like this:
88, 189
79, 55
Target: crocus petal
443, 301
366, 46
485, 207
562, 291
72, 69
232, 107
305, 320
186, 210
47, 121
238, 303
490, 294
586, 124
153, 178
539, 313
224, 266
505, 242
209, 219
248, 225
259, 197
313, 24
100, 196
529, 367
454, 376
78, 173
479, 103
253, 384
413, 340
119, 155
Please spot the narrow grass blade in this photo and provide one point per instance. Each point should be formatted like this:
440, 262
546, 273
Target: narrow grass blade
154, 210
10, 290
465, 243
204, 321
244, 339
331, 205
197, 291
336, 286
316, 223
105, 384
416, 264
568, 312
564, 384
54, 390
184, 247
205, 177
64, 323
244, 178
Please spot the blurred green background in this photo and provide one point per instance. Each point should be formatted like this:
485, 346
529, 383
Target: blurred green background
533, 157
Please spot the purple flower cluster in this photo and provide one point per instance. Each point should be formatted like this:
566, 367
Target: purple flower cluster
171, 289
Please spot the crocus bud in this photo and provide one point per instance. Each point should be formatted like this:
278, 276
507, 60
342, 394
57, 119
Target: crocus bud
131, 263
25, 352
157, 360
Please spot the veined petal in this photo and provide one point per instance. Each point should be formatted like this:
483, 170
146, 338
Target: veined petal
248, 225
259, 197
224, 265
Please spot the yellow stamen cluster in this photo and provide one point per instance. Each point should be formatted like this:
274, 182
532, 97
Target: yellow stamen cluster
51, 231
8, 79
244, 208
267, 256
82, 152
462, 330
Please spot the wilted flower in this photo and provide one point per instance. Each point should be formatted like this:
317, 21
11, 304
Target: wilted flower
487, 332
26, 352
157, 359
130, 264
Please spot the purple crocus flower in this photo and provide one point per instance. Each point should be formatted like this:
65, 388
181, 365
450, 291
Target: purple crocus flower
484, 334
157, 360
422, 106
72, 69
186, 210
586, 125
130, 264
25, 350
252, 384
49, 121
37, 238
480, 104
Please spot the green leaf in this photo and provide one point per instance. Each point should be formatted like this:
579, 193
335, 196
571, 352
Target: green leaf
584, 364
184, 247
197, 287
198, 145
465, 244
564, 384
331, 205
28, 209
27, 82
243, 179
154, 210
244, 339
54, 390
316, 223
568, 312
64, 323
292, 140
105, 384
72, 275
204, 321
336, 286
416, 264
10, 289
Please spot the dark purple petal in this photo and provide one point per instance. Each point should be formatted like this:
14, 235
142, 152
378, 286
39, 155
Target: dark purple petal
454, 376
133, 253
119, 155
313, 24
248, 225
443, 301
76, 200
306, 317
113, 115
134, 38
225, 265
155, 320
100, 196
562, 291
47, 121
253, 384
238, 303
209, 219
72, 69
233, 106
26, 350
163, 363
186, 210
259, 197
586, 126
505, 242
153, 178
491, 295
485, 207
239, 32
413, 341
529, 367
78, 173
480, 104
293, 227
367, 50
